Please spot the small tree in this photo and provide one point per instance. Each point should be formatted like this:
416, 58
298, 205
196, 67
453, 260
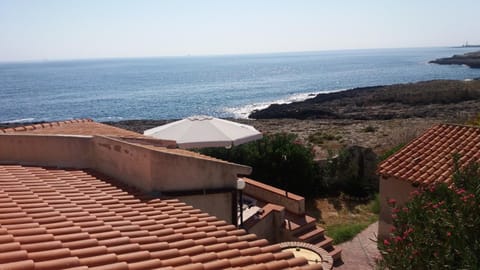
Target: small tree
438, 227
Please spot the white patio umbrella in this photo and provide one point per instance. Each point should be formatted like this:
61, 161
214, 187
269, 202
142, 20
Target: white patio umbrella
205, 131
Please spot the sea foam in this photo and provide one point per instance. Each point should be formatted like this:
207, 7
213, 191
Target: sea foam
23, 120
243, 112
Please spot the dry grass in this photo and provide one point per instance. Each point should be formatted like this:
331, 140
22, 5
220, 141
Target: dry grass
343, 219
386, 134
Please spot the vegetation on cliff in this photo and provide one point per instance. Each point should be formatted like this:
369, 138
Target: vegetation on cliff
282, 161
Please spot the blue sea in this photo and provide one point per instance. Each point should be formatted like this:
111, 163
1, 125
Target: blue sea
223, 86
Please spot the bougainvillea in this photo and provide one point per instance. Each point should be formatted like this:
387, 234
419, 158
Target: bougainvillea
439, 228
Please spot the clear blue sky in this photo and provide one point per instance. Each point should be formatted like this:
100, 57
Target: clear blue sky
72, 29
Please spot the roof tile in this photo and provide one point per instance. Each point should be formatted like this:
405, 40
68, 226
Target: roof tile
428, 158
61, 263
18, 265
12, 256
217, 265
49, 254
204, 257
61, 219
145, 264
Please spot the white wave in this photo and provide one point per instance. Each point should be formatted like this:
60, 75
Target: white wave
245, 111
110, 119
23, 120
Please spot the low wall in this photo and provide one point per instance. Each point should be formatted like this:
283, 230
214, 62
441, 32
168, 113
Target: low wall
269, 225
292, 202
42, 150
126, 162
172, 172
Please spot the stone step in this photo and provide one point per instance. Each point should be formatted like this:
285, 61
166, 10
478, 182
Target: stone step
297, 224
336, 253
310, 236
325, 243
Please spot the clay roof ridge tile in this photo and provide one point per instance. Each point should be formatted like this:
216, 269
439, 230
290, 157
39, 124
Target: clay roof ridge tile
19, 128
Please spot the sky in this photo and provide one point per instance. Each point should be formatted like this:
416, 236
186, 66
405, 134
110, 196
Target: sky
86, 29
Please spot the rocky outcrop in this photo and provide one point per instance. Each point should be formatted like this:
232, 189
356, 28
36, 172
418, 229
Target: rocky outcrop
436, 99
469, 59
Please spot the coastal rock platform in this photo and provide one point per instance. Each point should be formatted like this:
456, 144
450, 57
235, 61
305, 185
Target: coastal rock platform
430, 99
471, 59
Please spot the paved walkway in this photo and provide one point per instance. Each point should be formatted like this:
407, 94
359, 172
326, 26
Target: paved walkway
361, 252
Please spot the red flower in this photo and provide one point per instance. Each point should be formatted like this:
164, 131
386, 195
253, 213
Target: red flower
392, 201
414, 193
407, 232
386, 242
449, 234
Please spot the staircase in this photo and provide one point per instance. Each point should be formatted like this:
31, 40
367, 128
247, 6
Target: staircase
304, 228
297, 226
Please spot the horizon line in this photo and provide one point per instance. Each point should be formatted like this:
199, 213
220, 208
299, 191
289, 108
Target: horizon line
208, 55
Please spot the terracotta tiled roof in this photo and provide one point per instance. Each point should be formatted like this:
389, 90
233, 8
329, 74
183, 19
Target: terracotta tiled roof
429, 158
78, 219
74, 127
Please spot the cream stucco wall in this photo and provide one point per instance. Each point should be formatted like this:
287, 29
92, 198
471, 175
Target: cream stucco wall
391, 188
177, 172
219, 205
55, 151
126, 162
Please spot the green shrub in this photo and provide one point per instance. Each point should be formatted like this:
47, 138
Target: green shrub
278, 160
375, 204
281, 161
438, 227
390, 152
351, 171
474, 121
344, 232
369, 129
320, 137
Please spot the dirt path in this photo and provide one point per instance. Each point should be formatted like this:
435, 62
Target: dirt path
361, 252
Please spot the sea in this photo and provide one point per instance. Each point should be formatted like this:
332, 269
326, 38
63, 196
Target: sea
229, 86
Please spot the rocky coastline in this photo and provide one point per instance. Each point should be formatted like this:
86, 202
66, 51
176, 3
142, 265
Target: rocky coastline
445, 99
471, 59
